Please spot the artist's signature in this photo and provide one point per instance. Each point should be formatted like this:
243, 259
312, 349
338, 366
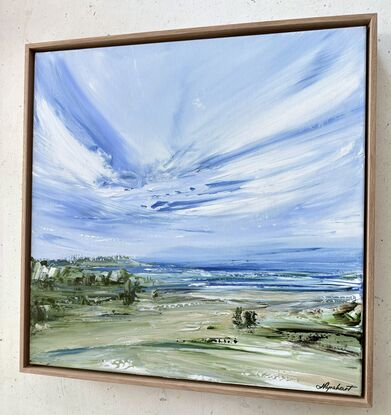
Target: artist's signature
337, 298
327, 386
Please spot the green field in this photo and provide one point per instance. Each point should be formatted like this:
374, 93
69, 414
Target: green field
298, 340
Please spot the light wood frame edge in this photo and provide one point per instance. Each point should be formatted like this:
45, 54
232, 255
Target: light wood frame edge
370, 209
368, 20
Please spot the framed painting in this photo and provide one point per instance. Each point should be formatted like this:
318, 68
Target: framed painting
199, 209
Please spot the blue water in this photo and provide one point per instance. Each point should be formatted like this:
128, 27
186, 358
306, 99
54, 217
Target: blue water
172, 277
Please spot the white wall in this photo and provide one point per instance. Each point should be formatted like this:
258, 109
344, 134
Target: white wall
42, 20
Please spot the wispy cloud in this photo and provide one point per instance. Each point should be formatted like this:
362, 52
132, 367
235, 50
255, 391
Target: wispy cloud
224, 146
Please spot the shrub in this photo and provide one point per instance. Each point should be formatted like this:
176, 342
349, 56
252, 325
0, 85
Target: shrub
244, 319
237, 317
130, 295
249, 318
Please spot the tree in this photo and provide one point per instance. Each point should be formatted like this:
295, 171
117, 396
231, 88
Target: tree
237, 317
249, 318
244, 319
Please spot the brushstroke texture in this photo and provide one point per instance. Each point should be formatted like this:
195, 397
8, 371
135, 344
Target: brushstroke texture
203, 151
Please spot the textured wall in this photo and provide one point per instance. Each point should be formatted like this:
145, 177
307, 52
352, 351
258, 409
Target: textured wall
42, 20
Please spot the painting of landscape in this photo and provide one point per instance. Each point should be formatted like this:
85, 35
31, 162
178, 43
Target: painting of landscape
198, 210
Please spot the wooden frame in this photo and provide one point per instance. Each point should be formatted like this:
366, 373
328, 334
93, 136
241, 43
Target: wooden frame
368, 20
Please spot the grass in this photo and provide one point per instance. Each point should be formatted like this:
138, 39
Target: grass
191, 335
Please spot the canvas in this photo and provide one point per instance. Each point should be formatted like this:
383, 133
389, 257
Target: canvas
198, 209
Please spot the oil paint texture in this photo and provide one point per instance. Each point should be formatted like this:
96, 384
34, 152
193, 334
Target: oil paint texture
198, 209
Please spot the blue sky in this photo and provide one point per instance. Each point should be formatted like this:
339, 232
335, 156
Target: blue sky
207, 150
